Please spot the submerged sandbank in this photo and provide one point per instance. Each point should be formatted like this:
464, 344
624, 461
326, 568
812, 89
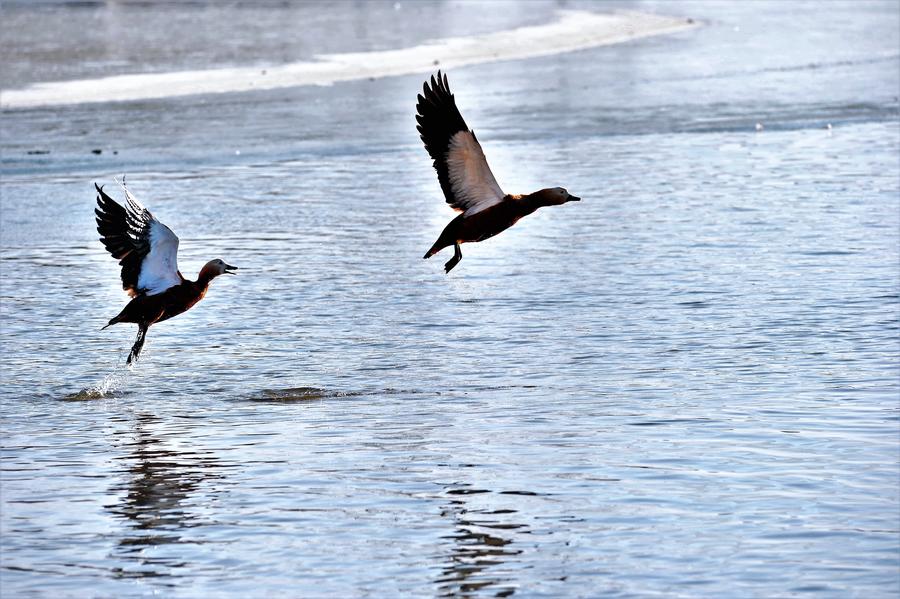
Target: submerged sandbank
573, 30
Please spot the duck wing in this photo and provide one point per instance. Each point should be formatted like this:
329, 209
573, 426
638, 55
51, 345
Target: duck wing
146, 249
466, 179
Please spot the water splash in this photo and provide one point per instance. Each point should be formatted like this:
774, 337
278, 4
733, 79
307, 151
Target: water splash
107, 388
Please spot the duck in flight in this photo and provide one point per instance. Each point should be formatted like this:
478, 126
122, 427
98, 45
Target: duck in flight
465, 177
147, 250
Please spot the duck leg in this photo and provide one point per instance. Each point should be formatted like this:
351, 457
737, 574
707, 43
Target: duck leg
457, 256
138, 343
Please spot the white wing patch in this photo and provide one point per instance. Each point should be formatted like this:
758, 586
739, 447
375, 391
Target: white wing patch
473, 183
159, 270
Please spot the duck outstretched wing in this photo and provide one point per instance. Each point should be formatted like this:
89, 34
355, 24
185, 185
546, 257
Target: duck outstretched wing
466, 179
146, 249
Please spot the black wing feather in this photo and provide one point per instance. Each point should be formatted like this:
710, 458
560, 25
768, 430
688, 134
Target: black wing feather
125, 234
439, 120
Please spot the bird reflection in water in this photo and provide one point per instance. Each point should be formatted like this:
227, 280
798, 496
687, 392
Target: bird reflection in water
161, 486
481, 545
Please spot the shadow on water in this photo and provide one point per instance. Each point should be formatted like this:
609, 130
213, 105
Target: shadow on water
304, 394
482, 542
310, 394
299, 395
160, 484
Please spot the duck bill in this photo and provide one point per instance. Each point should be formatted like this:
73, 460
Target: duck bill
573, 198
229, 270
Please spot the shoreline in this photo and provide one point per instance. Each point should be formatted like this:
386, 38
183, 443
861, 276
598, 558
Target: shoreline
572, 30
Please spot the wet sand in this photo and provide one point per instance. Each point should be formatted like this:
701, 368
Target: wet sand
569, 31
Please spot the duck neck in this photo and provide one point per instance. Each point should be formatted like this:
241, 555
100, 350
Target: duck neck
529, 203
204, 278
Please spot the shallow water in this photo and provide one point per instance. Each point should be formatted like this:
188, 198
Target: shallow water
685, 385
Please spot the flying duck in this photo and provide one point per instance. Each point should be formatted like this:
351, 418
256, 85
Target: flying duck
147, 250
465, 177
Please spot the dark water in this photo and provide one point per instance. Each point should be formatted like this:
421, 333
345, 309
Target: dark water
685, 385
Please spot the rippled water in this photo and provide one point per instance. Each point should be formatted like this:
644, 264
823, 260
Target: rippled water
685, 385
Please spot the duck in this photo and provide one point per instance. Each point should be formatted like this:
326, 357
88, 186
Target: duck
147, 251
466, 179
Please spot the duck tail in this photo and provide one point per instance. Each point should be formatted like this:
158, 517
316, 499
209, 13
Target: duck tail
138, 343
448, 237
438, 246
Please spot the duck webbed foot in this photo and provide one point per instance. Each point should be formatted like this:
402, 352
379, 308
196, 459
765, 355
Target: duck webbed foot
457, 256
138, 344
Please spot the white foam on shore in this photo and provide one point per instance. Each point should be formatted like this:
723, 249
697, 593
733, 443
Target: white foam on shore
573, 30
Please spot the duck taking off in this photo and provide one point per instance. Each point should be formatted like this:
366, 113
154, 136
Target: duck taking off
147, 250
465, 177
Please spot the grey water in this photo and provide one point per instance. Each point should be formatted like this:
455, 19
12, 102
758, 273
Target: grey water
685, 385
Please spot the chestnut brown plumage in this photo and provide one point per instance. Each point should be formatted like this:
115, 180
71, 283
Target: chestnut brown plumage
466, 179
147, 250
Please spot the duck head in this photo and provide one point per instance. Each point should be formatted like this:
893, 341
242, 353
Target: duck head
554, 196
214, 268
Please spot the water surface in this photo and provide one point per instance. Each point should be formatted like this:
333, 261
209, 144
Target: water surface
685, 385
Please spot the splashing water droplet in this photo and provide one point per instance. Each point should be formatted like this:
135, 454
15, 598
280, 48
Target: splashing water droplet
106, 388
